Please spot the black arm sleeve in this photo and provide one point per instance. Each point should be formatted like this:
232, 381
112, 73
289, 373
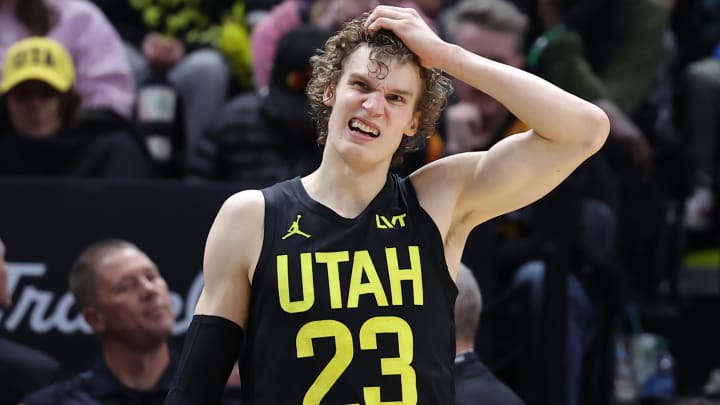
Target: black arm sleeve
211, 348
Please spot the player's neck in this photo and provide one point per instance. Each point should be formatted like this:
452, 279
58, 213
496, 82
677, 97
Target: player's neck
139, 370
345, 190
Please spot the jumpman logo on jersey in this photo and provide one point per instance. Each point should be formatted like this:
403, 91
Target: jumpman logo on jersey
295, 229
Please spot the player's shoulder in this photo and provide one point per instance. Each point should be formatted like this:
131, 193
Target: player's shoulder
244, 205
245, 199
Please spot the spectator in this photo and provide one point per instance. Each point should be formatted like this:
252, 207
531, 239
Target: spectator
617, 78
474, 382
290, 14
328, 14
262, 138
22, 369
432, 8
697, 27
494, 30
43, 131
701, 127
126, 302
618, 54
104, 78
180, 43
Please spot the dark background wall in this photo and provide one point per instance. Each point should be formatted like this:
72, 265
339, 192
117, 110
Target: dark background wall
45, 224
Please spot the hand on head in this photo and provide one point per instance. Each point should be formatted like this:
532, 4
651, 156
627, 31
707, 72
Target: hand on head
409, 26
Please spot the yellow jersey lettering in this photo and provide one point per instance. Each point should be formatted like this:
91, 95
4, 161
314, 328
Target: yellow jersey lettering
383, 223
337, 364
308, 288
362, 264
399, 219
400, 366
398, 275
332, 261
364, 279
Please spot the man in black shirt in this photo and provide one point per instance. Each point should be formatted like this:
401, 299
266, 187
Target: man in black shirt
126, 302
474, 382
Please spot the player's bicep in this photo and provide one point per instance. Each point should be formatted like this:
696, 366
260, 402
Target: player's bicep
231, 251
514, 173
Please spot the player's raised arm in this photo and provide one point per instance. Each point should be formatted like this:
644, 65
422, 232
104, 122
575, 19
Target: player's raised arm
213, 341
566, 130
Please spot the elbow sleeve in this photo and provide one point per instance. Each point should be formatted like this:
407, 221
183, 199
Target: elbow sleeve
211, 348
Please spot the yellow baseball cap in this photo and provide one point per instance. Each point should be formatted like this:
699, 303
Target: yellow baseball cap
38, 58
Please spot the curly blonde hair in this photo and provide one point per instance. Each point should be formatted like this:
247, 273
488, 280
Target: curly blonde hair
384, 46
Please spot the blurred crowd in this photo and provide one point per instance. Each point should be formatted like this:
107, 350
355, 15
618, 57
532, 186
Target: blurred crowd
214, 91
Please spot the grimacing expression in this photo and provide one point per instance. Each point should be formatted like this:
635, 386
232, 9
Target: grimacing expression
373, 107
34, 109
386, 48
132, 300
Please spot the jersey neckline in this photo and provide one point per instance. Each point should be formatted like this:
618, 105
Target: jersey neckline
327, 212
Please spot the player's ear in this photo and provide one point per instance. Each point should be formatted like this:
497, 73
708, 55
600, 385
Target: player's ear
413, 125
329, 96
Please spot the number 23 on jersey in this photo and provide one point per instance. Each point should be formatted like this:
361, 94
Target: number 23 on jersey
344, 353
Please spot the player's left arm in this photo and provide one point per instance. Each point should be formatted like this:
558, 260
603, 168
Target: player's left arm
521, 168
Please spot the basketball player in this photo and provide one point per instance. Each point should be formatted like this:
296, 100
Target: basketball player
337, 288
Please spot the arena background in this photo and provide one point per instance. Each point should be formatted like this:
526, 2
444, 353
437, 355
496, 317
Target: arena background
46, 223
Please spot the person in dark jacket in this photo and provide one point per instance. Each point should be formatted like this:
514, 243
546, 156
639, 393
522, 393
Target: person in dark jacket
45, 132
173, 43
474, 382
263, 137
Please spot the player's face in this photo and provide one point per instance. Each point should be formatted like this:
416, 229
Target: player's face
34, 109
498, 46
370, 114
133, 301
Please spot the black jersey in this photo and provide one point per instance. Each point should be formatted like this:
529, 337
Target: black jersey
349, 311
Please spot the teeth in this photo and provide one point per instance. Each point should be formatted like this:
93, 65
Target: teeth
359, 125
